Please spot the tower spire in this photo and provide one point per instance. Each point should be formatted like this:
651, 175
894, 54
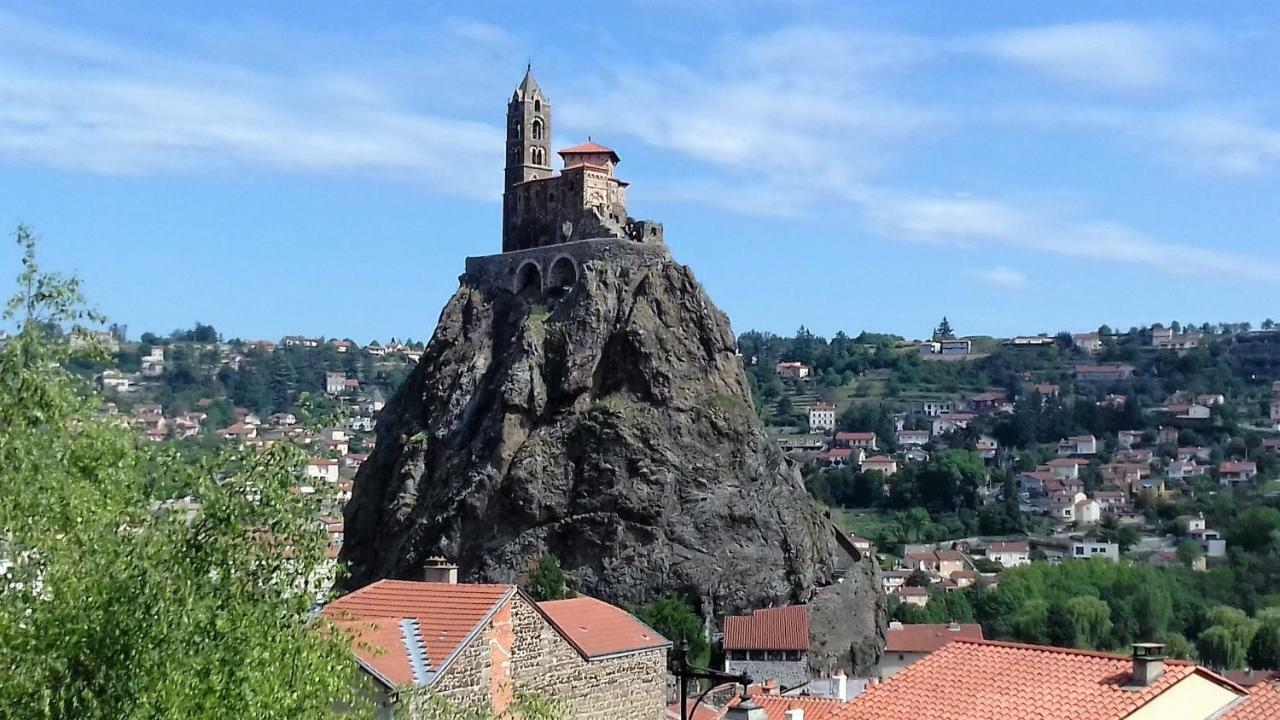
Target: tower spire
528, 86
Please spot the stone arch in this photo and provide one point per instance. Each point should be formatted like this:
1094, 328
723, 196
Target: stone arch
528, 277
563, 274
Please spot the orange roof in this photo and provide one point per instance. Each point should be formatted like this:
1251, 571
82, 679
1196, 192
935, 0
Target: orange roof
596, 628
393, 618
985, 680
785, 628
1263, 703
815, 708
588, 147
927, 638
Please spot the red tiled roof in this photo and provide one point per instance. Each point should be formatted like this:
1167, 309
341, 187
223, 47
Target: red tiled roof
444, 615
1236, 466
878, 459
785, 628
986, 680
588, 148
815, 708
927, 638
1067, 462
1263, 703
596, 628
855, 436
1011, 546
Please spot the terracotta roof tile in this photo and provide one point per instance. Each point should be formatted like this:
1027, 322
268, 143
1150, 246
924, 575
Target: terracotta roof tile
785, 628
815, 708
597, 628
985, 680
444, 614
927, 638
1263, 703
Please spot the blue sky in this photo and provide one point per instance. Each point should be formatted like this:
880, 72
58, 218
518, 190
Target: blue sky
324, 168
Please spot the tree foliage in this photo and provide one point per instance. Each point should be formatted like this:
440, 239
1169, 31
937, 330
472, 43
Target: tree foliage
547, 581
112, 606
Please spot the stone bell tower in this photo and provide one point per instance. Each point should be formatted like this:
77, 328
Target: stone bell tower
528, 146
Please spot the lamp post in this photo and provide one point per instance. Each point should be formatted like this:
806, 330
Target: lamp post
686, 672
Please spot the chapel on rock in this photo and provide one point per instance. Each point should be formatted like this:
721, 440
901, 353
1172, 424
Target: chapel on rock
584, 201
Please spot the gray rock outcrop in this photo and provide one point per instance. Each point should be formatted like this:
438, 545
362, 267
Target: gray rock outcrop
609, 424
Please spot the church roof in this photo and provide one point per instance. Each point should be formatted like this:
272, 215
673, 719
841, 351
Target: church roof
588, 148
528, 86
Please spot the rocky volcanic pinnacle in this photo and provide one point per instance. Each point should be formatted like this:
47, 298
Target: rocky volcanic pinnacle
609, 425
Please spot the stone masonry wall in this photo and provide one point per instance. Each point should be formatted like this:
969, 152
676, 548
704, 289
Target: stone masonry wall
499, 271
520, 652
629, 687
788, 673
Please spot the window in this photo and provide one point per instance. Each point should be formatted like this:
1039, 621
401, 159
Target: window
537, 106
537, 156
537, 129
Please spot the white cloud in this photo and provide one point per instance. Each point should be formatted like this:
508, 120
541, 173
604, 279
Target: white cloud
1002, 277
81, 103
794, 116
984, 224
1110, 55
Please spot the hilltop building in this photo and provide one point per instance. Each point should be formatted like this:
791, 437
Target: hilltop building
584, 201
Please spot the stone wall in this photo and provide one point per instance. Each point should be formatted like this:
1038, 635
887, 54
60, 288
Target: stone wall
788, 673
626, 687
503, 271
519, 652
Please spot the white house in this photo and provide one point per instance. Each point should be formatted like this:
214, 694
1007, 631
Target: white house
1085, 549
322, 469
1078, 445
1010, 554
822, 417
910, 438
883, 463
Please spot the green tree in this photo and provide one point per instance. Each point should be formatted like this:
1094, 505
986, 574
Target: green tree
1090, 620
1264, 648
944, 331
547, 581
1255, 529
115, 608
1219, 648
676, 621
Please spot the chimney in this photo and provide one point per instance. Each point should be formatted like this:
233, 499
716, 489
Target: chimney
895, 625
745, 709
840, 684
770, 687
953, 626
1148, 664
795, 713
438, 570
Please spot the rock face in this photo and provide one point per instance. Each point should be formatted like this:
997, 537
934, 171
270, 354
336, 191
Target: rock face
607, 422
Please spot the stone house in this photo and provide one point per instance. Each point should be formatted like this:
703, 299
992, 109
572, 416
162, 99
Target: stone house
479, 646
769, 644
